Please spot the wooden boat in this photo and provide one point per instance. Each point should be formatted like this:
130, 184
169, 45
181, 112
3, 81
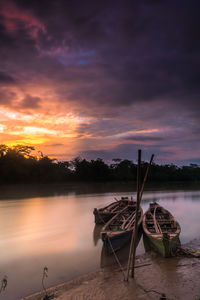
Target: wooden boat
122, 254
161, 229
104, 214
118, 231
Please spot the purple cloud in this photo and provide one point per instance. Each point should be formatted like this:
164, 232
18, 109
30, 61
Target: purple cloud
124, 67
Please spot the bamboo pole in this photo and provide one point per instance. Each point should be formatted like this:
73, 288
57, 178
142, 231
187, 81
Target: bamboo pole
137, 211
134, 234
145, 177
132, 257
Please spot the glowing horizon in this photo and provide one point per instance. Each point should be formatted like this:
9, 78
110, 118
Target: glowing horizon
76, 80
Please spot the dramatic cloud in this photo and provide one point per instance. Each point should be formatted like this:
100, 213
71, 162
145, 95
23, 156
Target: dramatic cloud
144, 138
6, 97
30, 102
101, 77
5, 78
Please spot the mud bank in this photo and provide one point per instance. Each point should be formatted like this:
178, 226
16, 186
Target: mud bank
177, 278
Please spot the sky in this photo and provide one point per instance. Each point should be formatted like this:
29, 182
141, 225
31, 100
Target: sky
101, 79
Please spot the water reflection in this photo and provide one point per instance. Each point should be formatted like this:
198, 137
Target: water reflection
58, 231
97, 233
108, 259
75, 189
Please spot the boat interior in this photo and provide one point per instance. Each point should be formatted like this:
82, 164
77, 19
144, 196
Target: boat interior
116, 206
159, 220
124, 220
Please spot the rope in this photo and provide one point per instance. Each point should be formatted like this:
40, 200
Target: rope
115, 255
116, 258
180, 251
163, 295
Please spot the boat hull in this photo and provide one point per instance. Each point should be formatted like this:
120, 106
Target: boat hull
161, 230
118, 241
102, 218
103, 215
164, 247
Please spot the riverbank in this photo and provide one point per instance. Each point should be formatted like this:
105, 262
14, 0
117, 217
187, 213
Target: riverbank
177, 278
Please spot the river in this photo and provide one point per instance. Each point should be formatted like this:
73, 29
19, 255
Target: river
55, 228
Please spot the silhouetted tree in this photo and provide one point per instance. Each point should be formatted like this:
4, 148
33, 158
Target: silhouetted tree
17, 164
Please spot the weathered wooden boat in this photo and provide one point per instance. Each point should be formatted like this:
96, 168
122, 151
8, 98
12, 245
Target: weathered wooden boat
118, 231
104, 214
161, 229
122, 254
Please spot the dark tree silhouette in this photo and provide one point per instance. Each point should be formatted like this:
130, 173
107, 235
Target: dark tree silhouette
18, 165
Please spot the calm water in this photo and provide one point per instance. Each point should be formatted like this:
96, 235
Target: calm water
58, 232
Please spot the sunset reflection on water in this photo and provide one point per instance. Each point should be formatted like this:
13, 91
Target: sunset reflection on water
59, 232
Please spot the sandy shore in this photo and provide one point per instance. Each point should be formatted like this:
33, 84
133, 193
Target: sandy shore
177, 278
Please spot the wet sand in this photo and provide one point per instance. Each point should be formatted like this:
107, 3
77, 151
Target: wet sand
177, 278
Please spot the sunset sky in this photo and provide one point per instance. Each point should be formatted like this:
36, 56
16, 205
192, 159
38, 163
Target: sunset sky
101, 78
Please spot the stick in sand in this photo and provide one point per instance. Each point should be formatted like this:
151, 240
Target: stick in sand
134, 236
133, 239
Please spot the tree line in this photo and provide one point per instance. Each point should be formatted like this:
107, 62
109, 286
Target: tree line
18, 165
